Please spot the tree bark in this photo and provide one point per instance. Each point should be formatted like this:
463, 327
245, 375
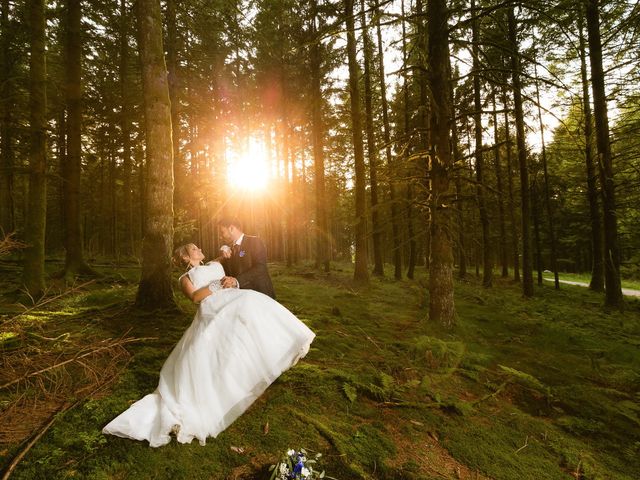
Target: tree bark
512, 207
72, 161
393, 195
527, 271
613, 287
504, 259
441, 300
289, 155
409, 198
423, 160
7, 155
372, 148
154, 290
179, 173
597, 266
535, 195
547, 195
114, 244
457, 163
322, 233
35, 219
125, 128
487, 261
361, 273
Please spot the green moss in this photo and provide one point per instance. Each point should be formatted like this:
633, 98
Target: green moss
528, 389
525, 379
437, 354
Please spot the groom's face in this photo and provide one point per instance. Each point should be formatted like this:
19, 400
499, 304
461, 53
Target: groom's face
224, 233
229, 234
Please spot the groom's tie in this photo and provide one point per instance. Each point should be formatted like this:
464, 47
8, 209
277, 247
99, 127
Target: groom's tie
236, 249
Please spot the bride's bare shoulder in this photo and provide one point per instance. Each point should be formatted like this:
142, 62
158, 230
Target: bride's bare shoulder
183, 276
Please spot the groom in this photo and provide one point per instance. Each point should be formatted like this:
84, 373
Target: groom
246, 261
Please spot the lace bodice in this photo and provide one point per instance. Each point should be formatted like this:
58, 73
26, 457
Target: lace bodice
203, 275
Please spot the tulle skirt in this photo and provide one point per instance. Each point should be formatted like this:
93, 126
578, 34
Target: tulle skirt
239, 342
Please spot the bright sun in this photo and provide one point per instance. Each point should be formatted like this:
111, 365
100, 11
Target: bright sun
250, 169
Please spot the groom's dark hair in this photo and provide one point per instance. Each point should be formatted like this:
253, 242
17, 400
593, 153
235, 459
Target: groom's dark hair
228, 221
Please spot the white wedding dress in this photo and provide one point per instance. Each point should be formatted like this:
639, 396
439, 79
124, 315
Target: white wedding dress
239, 342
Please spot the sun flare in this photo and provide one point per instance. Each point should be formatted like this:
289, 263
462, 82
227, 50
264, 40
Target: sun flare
249, 170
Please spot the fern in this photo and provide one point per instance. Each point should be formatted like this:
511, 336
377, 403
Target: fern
350, 392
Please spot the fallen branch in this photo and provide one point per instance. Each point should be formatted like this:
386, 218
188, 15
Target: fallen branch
526, 443
75, 358
47, 300
418, 405
18, 458
8, 244
369, 338
38, 435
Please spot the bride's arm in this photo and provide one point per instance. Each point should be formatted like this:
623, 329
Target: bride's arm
196, 296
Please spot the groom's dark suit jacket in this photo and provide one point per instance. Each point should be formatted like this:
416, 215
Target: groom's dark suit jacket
248, 264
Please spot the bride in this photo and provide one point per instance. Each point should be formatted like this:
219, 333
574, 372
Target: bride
239, 342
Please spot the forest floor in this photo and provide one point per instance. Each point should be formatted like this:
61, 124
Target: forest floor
541, 388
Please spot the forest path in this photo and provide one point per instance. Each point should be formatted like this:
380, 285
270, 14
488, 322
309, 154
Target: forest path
629, 292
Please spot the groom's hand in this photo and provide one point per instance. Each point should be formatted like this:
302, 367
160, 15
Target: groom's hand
230, 282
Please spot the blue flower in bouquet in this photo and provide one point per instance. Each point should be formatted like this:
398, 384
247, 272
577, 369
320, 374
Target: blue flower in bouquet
295, 465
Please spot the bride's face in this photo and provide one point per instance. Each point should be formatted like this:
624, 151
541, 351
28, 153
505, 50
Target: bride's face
195, 255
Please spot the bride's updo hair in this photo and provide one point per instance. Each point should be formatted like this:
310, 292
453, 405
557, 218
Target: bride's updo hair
179, 254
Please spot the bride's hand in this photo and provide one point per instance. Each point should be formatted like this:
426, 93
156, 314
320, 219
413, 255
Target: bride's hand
229, 282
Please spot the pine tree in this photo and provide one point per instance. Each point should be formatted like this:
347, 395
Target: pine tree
154, 290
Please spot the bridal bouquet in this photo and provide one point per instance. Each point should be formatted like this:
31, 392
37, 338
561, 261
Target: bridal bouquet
295, 465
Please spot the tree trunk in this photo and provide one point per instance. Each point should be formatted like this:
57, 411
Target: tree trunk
457, 162
7, 155
372, 149
35, 218
547, 195
322, 233
154, 290
114, 245
408, 202
294, 221
395, 214
441, 300
527, 271
535, 195
512, 207
179, 173
613, 288
72, 161
290, 196
487, 262
423, 161
597, 266
142, 188
503, 230
274, 208
61, 154
361, 272
125, 127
